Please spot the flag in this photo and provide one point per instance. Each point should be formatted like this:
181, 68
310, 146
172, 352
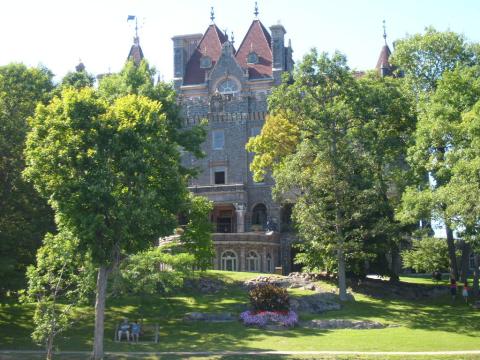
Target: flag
130, 17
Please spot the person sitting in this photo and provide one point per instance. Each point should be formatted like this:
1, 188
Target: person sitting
124, 329
135, 327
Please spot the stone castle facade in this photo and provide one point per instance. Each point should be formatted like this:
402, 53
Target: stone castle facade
229, 86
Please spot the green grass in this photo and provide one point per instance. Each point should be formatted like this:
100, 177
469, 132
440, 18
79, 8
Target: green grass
434, 325
424, 279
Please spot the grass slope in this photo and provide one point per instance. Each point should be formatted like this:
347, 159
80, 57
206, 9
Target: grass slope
434, 325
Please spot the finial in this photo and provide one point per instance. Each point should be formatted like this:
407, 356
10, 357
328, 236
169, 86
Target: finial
384, 32
225, 33
255, 12
232, 38
212, 15
134, 17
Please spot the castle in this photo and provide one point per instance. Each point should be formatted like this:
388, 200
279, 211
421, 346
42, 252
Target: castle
229, 86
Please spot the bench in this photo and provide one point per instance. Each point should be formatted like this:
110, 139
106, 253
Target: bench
148, 333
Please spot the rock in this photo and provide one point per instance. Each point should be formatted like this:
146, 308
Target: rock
204, 285
315, 304
209, 317
342, 324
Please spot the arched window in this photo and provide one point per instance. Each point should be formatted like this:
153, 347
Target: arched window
229, 261
269, 263
252, 58
259, 215
253, 262
227, 86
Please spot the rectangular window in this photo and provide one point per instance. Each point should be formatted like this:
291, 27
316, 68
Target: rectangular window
218, 139
219, 177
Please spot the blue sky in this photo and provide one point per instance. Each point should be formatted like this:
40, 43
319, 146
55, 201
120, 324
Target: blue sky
57, 33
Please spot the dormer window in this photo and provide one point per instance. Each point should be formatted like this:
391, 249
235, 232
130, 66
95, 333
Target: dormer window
252, 58
205, 62
227, 86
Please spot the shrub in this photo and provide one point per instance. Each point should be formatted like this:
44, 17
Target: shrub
268, 297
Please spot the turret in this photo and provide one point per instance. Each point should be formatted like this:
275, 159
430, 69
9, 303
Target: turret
278, 52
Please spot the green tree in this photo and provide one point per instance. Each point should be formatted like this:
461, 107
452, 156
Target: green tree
423, 58
439, 144
111, 172
389, 119
427, 255
59, 281
197, 238
140, 273
78, 79
431, 62
323, 169
24, 216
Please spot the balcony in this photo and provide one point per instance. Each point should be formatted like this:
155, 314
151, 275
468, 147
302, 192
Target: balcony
221, 193
247, 237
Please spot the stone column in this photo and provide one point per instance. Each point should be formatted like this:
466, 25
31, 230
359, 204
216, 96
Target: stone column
240, 210
263, 262
242, 259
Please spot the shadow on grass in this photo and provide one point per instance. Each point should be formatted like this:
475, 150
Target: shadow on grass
177, 335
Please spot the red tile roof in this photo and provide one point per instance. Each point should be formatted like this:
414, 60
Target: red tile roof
136, 53
383, 59
210, 45
258, 40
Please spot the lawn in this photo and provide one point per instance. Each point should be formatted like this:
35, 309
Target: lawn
428, 325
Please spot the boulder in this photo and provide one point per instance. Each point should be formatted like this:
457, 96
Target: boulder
342, 324
209, 317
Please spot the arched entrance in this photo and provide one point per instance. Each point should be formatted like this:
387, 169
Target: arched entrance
253, 262
229, 261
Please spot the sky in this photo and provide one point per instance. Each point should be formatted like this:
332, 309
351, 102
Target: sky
59, 33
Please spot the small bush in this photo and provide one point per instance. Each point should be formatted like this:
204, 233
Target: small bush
268, 297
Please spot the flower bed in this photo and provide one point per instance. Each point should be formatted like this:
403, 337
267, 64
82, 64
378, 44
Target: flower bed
262, 318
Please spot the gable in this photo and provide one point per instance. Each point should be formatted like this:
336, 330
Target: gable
210, 45
259, 41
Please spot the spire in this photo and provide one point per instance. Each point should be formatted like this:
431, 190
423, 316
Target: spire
212, 15
384, 32
383, 64
255, 11
136, 53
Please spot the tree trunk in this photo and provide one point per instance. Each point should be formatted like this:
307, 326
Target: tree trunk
50, 346
342, 283
100, 312
396, 264
451, 253
476, 275
465, 260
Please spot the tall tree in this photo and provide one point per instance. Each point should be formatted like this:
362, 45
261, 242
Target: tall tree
318, 160
24, 216
110, 166
425, 59
437, 139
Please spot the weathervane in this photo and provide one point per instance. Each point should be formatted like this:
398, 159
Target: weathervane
255, 12
134, 17
212, 15
384, 32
